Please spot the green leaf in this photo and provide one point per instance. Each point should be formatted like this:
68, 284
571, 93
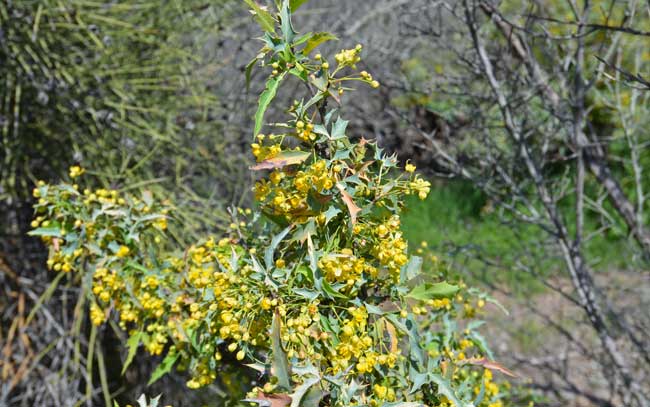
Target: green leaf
338, 129
249, 70
412, 269
294, 4
373, 309
427, 291
311, 295
164, 367
263, 17
419, 380
270, 250
280, 364
317, 39
132, 343
312, 398
53, 231
444, 388
265, 99
285, 24
481, 343
299, 395
315, 99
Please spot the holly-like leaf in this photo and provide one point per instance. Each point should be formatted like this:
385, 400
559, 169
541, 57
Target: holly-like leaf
164, 367
317, 39
265, 99
444, 388
349, 202
427, 291
262, 16
280, 364
285, 22
132, 343
338, 129
299, 395
281, 160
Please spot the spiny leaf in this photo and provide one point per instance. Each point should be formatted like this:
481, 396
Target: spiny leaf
427, 291
263, 17
281, 160
317, 39
164, 367
298, 396
338, 129
265, 99
132, 343
285, 24
444, 388
280, 365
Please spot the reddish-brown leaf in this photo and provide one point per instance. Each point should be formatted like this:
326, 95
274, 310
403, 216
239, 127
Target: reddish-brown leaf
349, 202
281, 160
490, 364
276, 400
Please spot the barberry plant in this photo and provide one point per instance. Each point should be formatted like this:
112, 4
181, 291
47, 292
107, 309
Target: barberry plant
315, 288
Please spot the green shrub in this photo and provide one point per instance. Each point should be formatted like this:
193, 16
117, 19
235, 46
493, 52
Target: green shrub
315, 290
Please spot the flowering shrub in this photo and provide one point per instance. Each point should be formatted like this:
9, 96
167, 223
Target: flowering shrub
315, 289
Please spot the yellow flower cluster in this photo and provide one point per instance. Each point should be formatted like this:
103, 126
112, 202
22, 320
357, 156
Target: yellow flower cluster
420, 187
106, 283
304, 131
345, 267
356, 348
365, 76
262, 152
390, 246
97, 315
348, 57
290, 198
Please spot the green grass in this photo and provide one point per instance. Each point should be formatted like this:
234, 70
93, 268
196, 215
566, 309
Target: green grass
455, 224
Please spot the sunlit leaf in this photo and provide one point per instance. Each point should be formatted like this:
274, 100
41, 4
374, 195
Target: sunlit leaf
428, 291
265, 99
262, 16
317, 39
281, 160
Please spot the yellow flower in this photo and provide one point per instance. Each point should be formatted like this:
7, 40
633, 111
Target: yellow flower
123, 251
76, 171
97, 315
409, 168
